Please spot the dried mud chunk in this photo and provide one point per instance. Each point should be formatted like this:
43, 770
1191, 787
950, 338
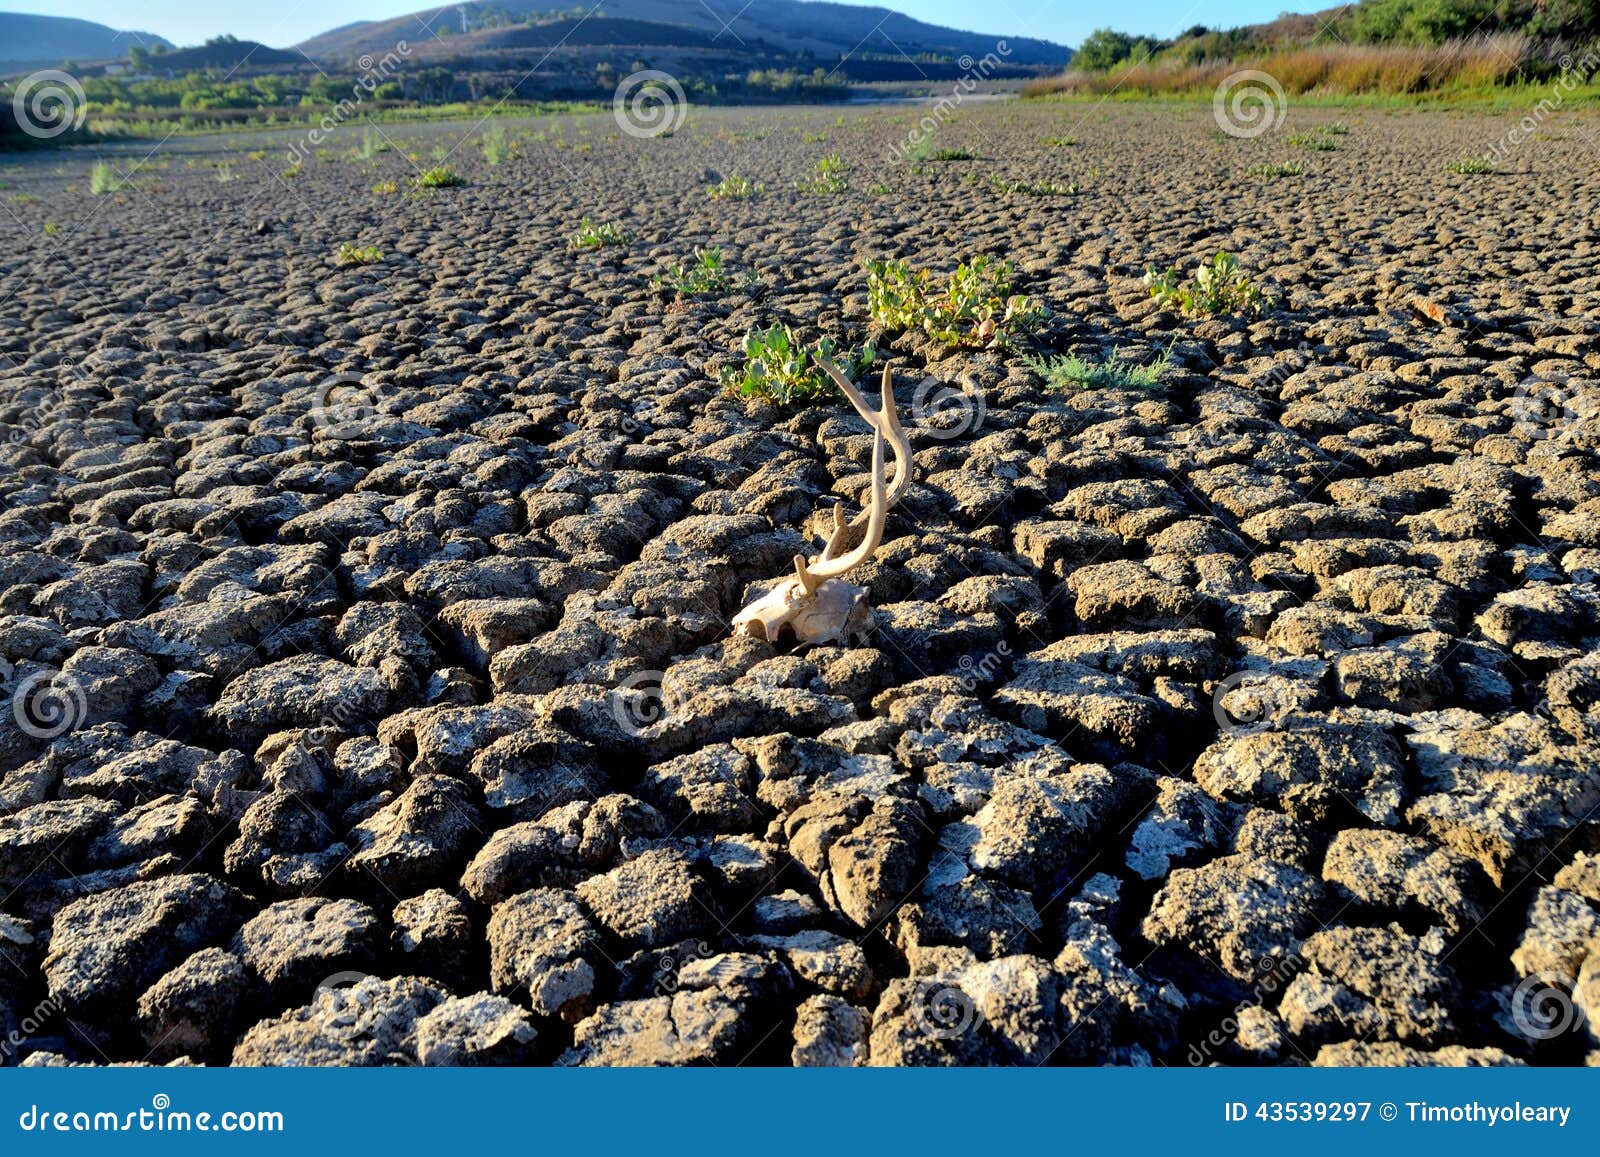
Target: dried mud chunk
1237, 911
1310, 768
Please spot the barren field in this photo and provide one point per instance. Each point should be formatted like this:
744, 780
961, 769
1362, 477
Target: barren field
370, 694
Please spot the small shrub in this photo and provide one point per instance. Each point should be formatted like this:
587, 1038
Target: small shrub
438, 177
386, 188
832, 176
734, 189
290, 172
592, 236
1280, 169
1034, 188
1316, 141
781, 368
1072, 373
1059, 142
225, 173
105, 179
1472, 166
1217, 287
349, 254
493, 144
705, 276
974, 308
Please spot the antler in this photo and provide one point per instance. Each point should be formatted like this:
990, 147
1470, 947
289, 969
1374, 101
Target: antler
885, 420
885, 423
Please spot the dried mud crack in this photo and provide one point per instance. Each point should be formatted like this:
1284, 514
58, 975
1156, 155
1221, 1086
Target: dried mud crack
371, 698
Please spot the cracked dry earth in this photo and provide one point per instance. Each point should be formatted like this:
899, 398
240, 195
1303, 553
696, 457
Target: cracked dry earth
1250, 721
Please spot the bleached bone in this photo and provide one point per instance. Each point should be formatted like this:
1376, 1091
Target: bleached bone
817, 605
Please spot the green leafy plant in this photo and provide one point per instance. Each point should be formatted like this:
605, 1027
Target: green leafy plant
705, 276
880, 190
1217, 287
1034, 188
372, 144
438, 177
1317, 141
1059, 142
225, 173
349, 254
493, 144
386, 187
105, 179
832, 176
592, 236
974, 308
1279, 169
781, 368
734, 189
1073, 373
1472, 166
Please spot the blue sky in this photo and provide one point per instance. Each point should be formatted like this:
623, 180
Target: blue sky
287, 22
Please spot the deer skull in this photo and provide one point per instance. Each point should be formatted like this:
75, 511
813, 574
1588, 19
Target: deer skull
817, 605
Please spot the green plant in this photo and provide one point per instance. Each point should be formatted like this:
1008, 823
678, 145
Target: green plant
105, 179
734, 189
1280, 169
592, 236
372, 144
781, 368
832, 176
975, 307
704, 276
1072, 373
493, 144
386, 187
1316, 141
51, 229
1059, 142
290, 172
24, 198
225, 173
1034, 188
1217, 287
438, 177
1472, 165
349, 254
880, 190
952, 155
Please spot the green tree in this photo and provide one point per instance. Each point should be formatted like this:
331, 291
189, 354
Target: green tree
1102, 49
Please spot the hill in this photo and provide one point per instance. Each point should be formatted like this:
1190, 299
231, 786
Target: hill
26, 39
826, 31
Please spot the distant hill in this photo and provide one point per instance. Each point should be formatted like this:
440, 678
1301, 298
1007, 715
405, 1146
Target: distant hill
825, 31
225, 54
26, 39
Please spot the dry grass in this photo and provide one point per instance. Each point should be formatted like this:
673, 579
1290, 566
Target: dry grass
1334, 70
